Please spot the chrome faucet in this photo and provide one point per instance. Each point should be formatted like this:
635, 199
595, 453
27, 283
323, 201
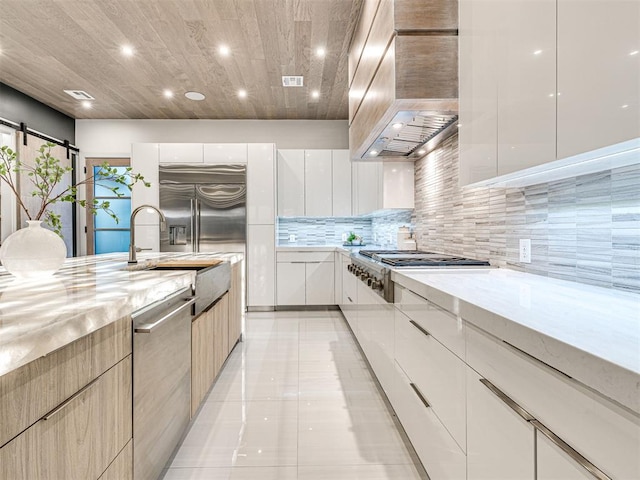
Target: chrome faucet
132, 225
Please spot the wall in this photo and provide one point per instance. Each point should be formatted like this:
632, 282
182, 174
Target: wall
584, 229
18, 107
114, 137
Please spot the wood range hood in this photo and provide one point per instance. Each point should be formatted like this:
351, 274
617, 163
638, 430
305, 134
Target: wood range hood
403, 78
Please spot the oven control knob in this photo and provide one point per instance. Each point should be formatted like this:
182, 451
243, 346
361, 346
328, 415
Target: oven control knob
364, 276
370, 282
350, 268
377, 285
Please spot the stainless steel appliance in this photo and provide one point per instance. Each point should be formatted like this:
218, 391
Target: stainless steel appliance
205, 207
161, 381
372, 267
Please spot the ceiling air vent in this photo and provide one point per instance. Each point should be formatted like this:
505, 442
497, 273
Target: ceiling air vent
79, 94
292, 81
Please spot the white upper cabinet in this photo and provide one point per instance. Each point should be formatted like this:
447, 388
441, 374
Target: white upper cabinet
181, 152
378, 186
367, 184
261, 184
225, 153
398, 185
598, 74
341, 172
526, 40
290, 183
317, 181
479, 21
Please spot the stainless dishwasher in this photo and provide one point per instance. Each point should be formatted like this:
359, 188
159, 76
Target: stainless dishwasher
161, 381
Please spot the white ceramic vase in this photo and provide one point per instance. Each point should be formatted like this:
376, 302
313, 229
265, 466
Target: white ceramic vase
33, 252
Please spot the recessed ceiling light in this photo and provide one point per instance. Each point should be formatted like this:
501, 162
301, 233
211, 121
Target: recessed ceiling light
635, 52
87, 104
224, 50
373, 153
168, 94
242, 93
315, 94
422, 151
127, 50
397, 126
537, 52
321, 52
194, 96
625, 106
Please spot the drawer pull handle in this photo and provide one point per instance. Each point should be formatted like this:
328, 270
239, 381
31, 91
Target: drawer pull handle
349, 299
526, 416
61, 407
420, 395
417, 325
575, 455
149, 327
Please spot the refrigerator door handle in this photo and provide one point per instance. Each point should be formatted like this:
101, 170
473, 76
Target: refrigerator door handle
192, 205
197, 235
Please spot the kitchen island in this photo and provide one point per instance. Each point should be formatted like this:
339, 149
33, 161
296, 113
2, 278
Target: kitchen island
66, 362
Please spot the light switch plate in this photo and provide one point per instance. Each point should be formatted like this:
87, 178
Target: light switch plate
525, 250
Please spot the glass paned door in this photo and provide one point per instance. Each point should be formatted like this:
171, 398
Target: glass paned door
104, 234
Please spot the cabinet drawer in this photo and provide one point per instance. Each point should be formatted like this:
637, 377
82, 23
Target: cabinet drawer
36, 388
122, 467
79, 439
305, 256
438, 451
435, 318
437, 372
605, 434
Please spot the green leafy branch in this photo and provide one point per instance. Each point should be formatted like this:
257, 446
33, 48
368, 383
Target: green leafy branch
47, 172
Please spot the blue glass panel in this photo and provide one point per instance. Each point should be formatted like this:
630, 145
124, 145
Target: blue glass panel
108, 241
121, 207
101, 187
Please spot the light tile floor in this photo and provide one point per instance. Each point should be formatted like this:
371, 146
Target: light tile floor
295, 400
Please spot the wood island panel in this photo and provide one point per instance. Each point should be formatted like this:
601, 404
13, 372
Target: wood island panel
29, 392
202, 357
122, 467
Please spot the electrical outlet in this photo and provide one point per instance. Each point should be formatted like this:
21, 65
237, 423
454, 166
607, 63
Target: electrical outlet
525, 250
344, 237
292, 238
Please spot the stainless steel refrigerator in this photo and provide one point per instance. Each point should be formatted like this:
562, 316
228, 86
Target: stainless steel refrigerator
205, 207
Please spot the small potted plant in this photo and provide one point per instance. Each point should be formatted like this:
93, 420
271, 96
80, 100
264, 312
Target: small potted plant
354, 239
35, 251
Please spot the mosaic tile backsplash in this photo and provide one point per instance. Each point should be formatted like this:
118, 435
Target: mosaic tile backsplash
315, 231
584, 229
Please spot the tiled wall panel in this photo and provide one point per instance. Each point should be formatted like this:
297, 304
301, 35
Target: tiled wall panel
585, 229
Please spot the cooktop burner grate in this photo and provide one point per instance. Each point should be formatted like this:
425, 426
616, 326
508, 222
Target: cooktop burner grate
433, 261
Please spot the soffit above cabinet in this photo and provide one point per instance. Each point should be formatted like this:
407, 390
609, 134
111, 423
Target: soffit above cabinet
48, 46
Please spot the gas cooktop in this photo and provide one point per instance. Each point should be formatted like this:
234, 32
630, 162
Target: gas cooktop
417, 258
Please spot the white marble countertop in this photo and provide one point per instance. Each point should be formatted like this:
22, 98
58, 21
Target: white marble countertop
88, 293
589, 333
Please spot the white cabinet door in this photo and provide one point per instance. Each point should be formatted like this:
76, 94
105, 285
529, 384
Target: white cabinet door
291, 183
261, 184
398, 185
598, 74
367, 178
341, 173
348, 303
500, 444
479, 20
261, 265
290, 283
144, 160
526, 84
553, 464
228, 153
181, 152
319, 283
317, 183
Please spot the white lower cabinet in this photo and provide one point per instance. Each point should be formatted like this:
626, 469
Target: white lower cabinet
554, 464
500, 443
348, 302
305, 278
260, 265
439, 453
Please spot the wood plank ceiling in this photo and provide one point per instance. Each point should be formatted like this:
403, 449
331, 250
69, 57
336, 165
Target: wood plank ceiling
47, 46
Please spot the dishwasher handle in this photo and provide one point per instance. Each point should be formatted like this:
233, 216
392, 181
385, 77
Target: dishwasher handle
149, 327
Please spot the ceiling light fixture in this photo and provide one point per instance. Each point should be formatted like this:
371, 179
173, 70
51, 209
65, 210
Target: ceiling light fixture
87, 104
537, 52
127, 50
373, 153
422, 151
321, 52
168, 93
315, 94
197, 96
397, 126
224, 50
242, 93
635, 52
